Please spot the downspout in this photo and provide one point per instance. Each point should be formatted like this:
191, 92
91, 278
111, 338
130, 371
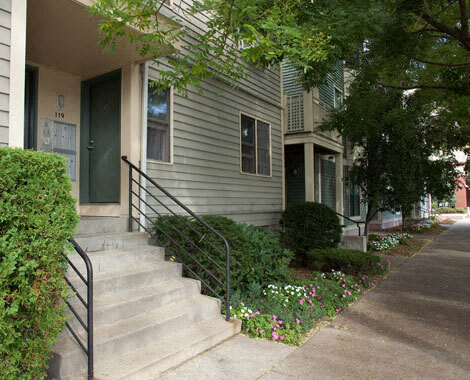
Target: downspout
144, 69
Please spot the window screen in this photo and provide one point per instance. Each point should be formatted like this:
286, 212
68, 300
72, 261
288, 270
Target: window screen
255, 146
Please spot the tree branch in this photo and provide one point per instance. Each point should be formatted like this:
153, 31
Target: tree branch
453, 32
418, 86
438, 63
463, 15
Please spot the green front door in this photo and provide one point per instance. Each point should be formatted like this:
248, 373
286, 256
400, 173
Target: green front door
100, 139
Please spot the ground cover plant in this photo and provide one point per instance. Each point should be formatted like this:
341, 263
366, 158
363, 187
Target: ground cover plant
429, 227
285, 313
384, 243
37, 216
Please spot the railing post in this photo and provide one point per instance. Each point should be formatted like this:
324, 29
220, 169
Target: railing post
90, 322
130, 198
227, 279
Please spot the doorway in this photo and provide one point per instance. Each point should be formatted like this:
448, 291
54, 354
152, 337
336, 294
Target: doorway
100, 139
30, 107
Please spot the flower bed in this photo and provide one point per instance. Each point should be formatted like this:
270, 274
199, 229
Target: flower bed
285, 313
378, 243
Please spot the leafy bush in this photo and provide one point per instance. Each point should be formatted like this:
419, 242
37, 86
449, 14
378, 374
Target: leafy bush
348, 261
255, 254
450, 210
309, 225
37, 216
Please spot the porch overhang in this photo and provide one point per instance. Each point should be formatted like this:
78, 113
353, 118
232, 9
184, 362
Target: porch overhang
321, 142
64, 36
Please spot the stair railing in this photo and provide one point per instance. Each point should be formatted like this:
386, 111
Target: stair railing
88, 304
183, 210
358, 222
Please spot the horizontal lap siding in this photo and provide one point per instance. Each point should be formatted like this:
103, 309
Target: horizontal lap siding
205, 175
5, 43
290, 83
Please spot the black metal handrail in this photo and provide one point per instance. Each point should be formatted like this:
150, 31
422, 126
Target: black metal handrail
88, 304
132, 219
358, 222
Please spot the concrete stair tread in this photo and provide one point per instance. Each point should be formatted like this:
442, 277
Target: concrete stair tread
115, 252
109, 300
108, 333
159, 315
108, 234
149, 361
141, 267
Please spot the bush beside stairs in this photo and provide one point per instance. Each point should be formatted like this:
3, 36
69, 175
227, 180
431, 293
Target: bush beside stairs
147, 317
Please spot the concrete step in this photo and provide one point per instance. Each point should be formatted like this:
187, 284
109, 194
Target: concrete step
117, 307
148, 362
132, 334
97, 225
128, 279
109, 241
115, 259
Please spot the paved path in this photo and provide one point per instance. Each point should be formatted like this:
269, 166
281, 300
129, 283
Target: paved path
414, 325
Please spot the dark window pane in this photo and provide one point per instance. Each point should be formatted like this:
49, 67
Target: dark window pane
158, 142
248, 144
263, 143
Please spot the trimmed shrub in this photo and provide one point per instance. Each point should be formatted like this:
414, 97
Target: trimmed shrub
37, 216
309, 225
255, 254
347, 261
450, 210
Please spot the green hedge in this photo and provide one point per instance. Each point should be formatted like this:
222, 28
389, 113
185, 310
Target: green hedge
37, 216
255, 254
309, 225
450, 210
348, 261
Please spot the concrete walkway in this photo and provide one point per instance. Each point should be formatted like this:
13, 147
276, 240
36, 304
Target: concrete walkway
414, 325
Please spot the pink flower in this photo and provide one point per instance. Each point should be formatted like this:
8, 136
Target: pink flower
274, 317
297, 320
358, 290
280, 322
355, 298
247, 329
338, 310
302, 301
272, 326
282, 337
335, 295
344, 295
261, 331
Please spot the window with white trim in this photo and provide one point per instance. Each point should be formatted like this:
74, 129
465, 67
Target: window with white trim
338, 98
158, 125
255, 146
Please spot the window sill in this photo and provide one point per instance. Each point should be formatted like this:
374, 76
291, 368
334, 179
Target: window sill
152, 161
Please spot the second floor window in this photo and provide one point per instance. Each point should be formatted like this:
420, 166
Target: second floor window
255, 146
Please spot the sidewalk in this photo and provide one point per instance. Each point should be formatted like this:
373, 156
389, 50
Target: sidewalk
414, 325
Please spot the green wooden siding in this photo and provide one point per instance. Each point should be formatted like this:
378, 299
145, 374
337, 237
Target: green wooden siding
295, 173
328, 183
334, 79
5, 43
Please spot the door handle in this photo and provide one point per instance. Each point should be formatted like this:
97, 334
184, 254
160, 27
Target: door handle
91, 147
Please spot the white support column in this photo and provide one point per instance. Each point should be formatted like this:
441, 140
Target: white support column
339, 184
17, 73
309, 162
143, 144
317, 175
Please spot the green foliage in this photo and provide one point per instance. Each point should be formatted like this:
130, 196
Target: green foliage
308, 225
348, 261
285, 313
37, 216
402, 152
450, 210
255, 255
